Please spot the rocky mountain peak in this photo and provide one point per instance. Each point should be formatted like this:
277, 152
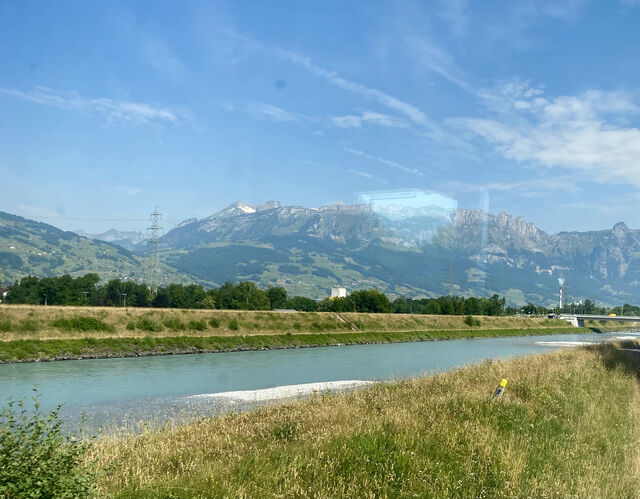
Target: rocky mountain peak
269, 205
506, 223
471, 217
237, 208
517, 226
186, 222
620, 230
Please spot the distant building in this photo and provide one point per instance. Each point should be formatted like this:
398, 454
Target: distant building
338, 292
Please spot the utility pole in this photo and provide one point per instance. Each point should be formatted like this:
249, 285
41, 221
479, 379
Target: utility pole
124, 298
154, 265
561, 284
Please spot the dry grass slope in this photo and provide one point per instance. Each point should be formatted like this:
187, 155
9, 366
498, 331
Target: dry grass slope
19, 322
568, 427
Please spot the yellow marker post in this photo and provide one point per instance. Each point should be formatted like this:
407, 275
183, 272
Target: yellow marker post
500, 390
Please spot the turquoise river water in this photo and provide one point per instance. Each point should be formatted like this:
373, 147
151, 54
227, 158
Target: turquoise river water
120, 392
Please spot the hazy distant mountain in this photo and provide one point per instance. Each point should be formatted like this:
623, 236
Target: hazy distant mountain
427, 251
126, 239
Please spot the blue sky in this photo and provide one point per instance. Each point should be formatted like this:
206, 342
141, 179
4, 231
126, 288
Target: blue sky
109, 109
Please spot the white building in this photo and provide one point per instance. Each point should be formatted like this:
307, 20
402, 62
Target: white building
338, 292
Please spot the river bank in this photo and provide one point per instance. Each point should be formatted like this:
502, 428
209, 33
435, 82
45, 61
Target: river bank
38, 334
19, 351
20, 322
568, 426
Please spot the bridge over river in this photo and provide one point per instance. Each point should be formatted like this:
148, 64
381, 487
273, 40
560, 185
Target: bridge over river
578, 319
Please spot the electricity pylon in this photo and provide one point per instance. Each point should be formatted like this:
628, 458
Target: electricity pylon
154, 267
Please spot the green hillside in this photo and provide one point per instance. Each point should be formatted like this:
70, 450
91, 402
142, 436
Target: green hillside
34, 248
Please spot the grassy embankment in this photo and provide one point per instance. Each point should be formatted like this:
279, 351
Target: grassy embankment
44, 333
569, 426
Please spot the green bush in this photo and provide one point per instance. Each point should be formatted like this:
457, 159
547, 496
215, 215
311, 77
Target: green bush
174, 323
37, 460
469, 320
131, 326
5, 325
234, 325
200, 325
148, 324
215, 322
82, 323
29, 325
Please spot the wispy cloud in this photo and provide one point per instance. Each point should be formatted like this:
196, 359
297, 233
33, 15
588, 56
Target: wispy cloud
117, 112
410, 111
516, 26
268, 112
149, 41
368, 117
586, 132
130, 191
455, 13
433, 57
383, 161
271, 112
523, 187
366, 175
160, 57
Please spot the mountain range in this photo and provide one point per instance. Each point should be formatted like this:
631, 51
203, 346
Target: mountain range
401, 250
34, 248
128, 239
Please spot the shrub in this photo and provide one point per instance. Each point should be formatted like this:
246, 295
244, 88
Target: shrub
82, 323
234, 325
5, 325
148, 324
469, 320
30, 325
37, 460
215, 322
174, 323
131, 326
200, 325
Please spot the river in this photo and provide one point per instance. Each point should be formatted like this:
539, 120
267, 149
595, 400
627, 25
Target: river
121, 392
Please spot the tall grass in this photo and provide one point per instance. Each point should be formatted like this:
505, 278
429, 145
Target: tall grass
568, 426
